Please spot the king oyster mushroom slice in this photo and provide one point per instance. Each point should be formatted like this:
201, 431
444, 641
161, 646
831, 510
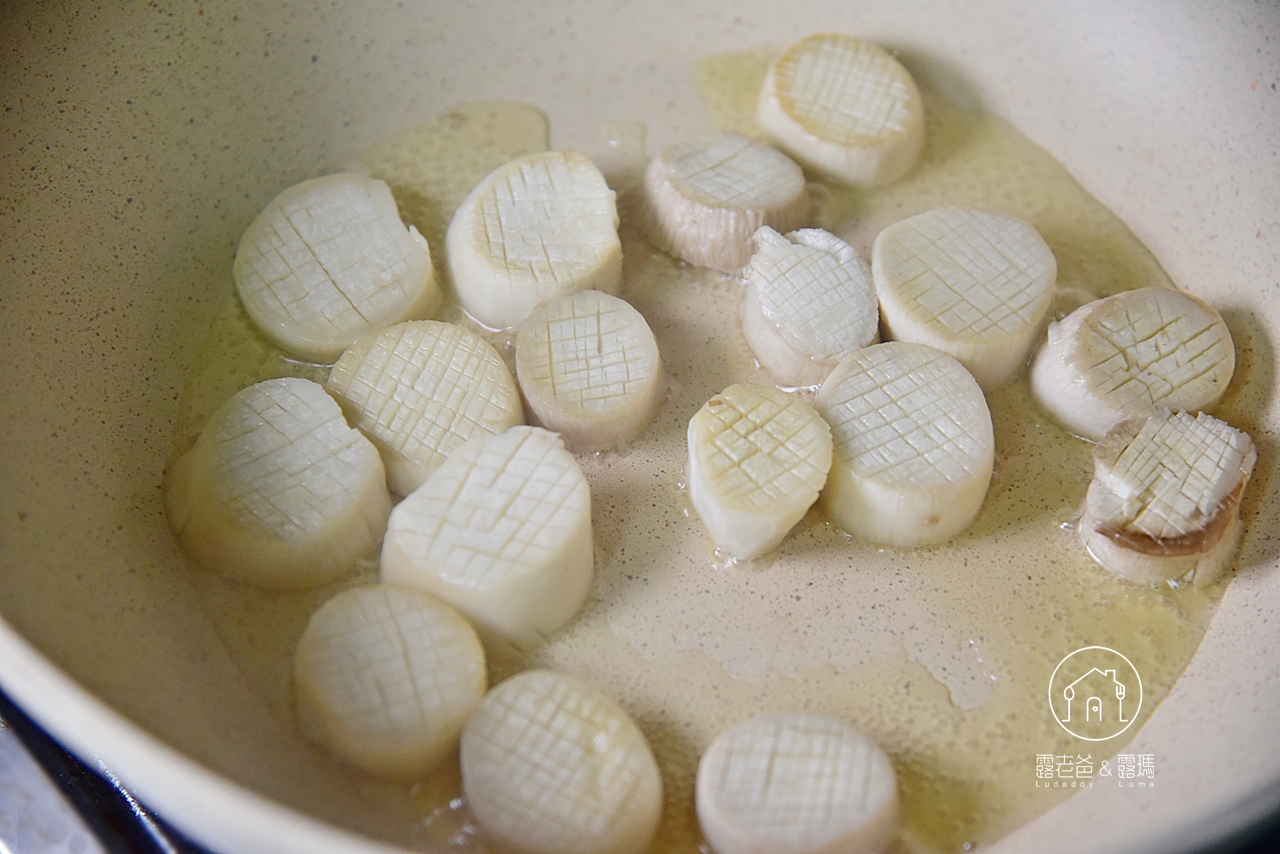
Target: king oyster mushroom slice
808, 302
1165, 497
329, 260
844, 106
540, 225
703, 200
1122, 356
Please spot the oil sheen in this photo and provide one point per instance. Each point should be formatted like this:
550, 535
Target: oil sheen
943, 655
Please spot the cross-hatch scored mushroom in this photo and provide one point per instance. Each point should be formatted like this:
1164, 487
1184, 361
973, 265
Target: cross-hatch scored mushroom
808, 302
329, 260
502, 531
538, 226
419, 390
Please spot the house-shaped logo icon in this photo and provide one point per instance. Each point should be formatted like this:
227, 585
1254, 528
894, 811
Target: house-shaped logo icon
1098, 694
1095, 693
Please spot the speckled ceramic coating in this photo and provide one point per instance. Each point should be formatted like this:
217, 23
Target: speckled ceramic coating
137, 145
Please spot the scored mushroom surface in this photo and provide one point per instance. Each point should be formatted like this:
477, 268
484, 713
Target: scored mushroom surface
541, 225
278, 490
703, 200
972, 284
385, 676
589, 368
796, 783
758, 458
1123, 356
552, 765
913, 445
1165, 497
501, 530
420, 389
808, 302
329, 260
844, 106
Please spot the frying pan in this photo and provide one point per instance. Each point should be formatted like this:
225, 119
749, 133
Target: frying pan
140, 139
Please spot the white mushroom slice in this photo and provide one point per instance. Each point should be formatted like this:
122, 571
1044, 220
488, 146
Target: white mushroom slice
385, 677
551, 765
914, 446
329, 260
809, 302
420, 389
844, 106
502, 531
541, 225
1122, 356
975, 285
1165, 497
758, 458
588, 365
278, 491
796, 783
704, 200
